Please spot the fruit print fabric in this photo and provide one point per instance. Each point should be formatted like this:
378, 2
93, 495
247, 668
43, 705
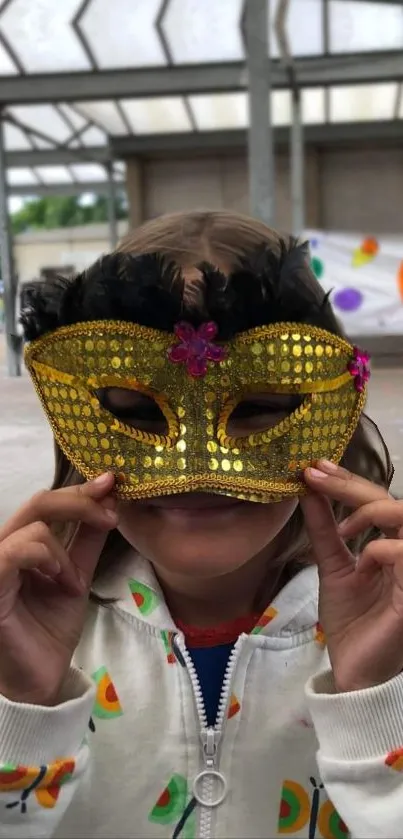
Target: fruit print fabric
298, 809
144, 597
173, 807
107, 705
395, 760
42, 781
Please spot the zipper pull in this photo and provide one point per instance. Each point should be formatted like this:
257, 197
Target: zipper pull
210, 738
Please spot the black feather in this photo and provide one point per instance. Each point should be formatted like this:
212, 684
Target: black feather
266, 287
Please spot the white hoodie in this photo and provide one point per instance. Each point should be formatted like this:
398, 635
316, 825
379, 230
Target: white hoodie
287, 754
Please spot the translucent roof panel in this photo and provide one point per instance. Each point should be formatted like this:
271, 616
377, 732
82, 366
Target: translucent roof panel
105, 114
7, 66
304, 27
44, 118
363, 103
197, 32
76, 120
87, 172
123, 33
313, 106
21, 177
15, 139
359, 26
41, 35
93, 136
53, 174
216, 111
157, 115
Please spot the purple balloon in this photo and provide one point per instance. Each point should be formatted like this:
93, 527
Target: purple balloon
348, 299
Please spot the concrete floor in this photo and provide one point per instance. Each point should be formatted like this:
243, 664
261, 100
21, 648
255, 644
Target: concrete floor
26, 456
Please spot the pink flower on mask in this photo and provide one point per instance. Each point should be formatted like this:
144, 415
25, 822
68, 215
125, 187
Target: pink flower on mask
196, 348
359, 369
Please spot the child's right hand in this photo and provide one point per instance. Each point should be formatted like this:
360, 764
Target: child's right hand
44, 588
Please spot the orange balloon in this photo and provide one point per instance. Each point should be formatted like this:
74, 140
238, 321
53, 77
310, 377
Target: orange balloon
400, 279
370, 246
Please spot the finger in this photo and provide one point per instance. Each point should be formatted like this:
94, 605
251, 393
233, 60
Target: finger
72, 504
386, 514
22, 552
84, 552
382, 552
340, 485
331, 554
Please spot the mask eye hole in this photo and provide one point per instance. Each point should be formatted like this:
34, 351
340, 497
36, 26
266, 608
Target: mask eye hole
258, 412
133, 408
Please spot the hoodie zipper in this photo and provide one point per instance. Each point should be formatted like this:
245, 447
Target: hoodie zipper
210, 737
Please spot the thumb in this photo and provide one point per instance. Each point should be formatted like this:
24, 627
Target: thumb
330, 552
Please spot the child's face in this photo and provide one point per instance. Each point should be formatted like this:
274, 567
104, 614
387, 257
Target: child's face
202, 535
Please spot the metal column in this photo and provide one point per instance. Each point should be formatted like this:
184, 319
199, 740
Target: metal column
261, 155
297, 165
113, 228
7, 272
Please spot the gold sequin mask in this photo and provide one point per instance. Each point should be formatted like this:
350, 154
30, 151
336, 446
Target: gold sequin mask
197, 384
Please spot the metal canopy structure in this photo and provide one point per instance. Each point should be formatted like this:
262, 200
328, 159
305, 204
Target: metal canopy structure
96, 79
85, 84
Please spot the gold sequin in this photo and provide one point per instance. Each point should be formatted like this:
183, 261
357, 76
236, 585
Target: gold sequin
68, 371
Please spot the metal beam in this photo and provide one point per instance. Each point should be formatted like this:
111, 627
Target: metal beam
7, 271
99, 188
203, 78
207, 142
54, 157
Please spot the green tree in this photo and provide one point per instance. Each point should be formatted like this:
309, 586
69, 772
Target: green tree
64, 211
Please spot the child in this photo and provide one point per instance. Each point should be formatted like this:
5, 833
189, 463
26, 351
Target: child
192, 379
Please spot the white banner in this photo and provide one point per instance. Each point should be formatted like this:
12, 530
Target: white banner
365, 276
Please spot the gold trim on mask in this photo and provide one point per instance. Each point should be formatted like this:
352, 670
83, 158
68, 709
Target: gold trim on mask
69, 365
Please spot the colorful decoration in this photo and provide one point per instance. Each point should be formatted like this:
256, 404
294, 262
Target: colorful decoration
318, 267
359, 369
267, 616
173, 806
400, 279
167, 637
196, 348
395, 760
348, 299
234, 706
365, 253
298, 809
144, 597
320, 637
44, 781
107, 705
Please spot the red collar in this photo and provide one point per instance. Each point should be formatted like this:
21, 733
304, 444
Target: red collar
224, 633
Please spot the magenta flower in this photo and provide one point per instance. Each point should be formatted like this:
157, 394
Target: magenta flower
196, 348
359, 369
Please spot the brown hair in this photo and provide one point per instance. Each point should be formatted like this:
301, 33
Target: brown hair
223, 238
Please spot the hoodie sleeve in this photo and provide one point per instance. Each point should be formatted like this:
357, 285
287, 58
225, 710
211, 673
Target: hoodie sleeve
360, 755
43, 759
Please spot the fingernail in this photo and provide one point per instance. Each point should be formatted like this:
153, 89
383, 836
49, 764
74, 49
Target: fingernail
328, 466
102, 479
315, 473
111, 516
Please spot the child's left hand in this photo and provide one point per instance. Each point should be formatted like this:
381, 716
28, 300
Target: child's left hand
360, 603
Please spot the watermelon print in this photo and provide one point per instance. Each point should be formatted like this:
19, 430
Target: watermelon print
395, 760
294, 808
173, 807
298, 809
234, 707
167, 638
144, 597
320, 637
267, 616
107, 705
42, 781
